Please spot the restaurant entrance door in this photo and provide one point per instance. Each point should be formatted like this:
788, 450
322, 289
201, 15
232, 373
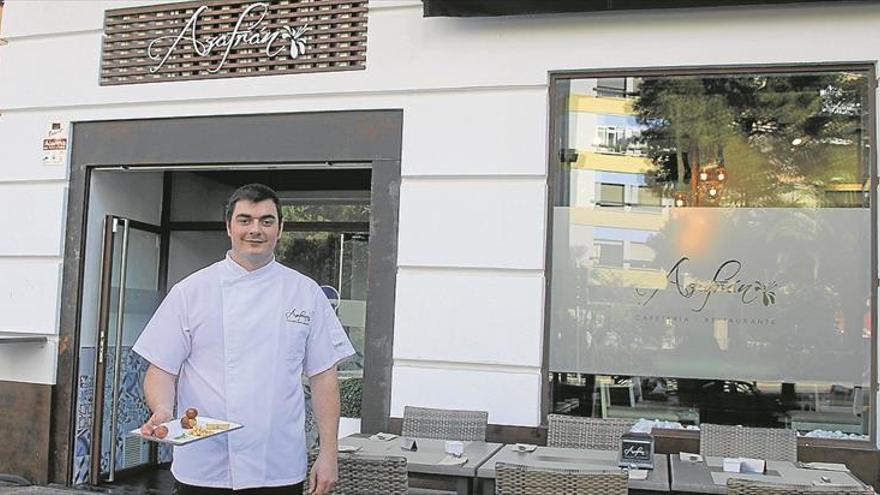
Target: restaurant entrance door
167, 173
129, 293
326, 237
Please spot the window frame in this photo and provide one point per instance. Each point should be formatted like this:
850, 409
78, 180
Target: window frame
558, 155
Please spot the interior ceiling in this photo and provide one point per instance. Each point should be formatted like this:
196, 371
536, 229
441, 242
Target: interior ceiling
342, 179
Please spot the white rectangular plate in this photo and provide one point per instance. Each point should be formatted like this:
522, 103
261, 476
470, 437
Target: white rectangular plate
638, 474
178, 436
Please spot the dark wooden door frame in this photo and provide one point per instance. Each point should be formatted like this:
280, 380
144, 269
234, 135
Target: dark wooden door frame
371, 137
102, 342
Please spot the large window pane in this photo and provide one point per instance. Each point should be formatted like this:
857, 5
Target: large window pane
711, 250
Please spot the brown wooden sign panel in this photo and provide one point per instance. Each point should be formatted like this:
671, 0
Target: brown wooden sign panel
211, 39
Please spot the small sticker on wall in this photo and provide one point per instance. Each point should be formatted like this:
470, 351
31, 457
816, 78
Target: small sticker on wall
55, 144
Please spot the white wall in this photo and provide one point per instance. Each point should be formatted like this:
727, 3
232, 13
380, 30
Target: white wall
31, 250
473, 196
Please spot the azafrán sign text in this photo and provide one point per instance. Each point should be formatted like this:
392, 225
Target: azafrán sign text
232, 38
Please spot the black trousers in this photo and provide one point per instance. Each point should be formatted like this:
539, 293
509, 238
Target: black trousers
184, 489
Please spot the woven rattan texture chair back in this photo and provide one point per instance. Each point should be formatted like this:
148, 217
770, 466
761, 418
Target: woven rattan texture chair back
585, 433
445, 424
367, 475
752, 487
742, 441
514, 479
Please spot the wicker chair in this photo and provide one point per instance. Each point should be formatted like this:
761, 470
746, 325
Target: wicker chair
367, 475
742, 441
586, 433
514, 479
751, 487
444, 424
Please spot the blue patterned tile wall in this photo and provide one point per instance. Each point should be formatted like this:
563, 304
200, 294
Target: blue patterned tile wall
85, 399
165, 453
132, 410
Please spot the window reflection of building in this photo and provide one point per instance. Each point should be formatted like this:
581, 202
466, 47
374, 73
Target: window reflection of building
609, 253
611, 194
611, 139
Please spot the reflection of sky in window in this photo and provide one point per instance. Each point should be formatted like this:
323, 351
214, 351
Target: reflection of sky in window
619, 178
613, 234
619, 121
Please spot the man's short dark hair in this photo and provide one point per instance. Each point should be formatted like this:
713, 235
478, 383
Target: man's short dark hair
253, 193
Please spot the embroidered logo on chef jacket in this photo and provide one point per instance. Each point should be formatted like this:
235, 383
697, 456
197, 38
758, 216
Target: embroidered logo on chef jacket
300, 316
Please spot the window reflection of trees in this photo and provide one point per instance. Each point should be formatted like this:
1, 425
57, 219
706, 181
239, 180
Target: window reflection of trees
786, 139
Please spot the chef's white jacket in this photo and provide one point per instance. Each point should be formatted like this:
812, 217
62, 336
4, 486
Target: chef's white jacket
239, 342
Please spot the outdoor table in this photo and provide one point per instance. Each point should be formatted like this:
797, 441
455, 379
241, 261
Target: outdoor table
709, 477
424, 463
565, 458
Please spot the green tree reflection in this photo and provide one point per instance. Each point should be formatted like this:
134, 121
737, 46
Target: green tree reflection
787, 140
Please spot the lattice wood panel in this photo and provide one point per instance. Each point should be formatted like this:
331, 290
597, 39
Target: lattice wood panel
333, 38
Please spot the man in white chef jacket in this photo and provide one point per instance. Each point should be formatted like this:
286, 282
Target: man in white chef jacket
235, 338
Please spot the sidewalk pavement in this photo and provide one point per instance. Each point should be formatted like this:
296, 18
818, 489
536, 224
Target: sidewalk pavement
6, 489
36, 490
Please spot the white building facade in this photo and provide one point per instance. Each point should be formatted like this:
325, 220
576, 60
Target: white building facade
470, 323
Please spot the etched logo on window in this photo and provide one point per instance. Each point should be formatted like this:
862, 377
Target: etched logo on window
726, 280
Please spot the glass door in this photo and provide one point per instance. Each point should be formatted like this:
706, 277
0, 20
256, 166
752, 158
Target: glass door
329, 242
352, 306
129, 294
337, 261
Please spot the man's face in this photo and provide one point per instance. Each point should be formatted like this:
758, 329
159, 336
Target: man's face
254, 230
